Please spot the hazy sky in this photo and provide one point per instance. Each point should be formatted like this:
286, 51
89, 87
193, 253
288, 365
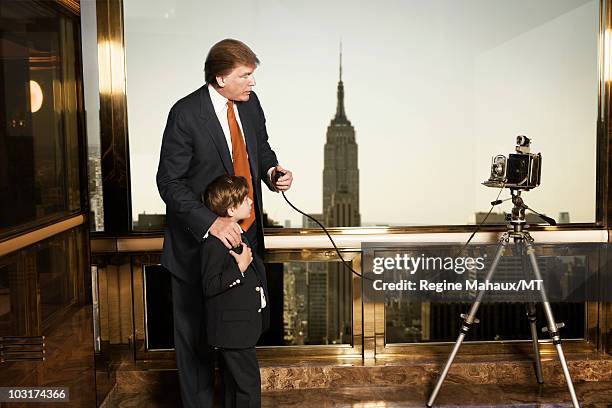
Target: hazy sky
433, 89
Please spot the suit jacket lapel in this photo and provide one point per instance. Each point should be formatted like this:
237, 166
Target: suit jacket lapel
212, 125
250, 138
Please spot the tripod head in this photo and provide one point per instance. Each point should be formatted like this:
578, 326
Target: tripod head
516, 219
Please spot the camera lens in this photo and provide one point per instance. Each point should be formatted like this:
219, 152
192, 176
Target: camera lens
522, 140
498, 167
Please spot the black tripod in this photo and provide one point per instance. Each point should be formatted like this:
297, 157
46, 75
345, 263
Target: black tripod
516, 231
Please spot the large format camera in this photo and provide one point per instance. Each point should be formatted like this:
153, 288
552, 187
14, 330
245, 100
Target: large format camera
519, 171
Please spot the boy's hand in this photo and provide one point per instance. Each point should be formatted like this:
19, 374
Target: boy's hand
244, 259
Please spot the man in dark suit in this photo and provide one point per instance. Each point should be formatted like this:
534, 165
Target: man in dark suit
218, 129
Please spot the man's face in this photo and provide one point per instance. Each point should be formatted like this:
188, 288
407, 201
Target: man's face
238, 84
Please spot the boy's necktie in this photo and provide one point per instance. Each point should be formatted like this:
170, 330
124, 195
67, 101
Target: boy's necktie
241, 160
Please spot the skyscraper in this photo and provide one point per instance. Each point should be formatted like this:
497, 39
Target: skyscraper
340, 171
340, 209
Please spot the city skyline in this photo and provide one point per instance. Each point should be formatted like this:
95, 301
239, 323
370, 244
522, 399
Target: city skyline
428, 121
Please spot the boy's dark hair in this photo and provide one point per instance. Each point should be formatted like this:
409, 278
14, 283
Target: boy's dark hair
225, 192
226, 55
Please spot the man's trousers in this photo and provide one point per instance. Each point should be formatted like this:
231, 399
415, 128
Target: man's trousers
194, 358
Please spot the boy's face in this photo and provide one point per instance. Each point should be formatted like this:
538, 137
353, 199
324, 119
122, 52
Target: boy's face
242, 211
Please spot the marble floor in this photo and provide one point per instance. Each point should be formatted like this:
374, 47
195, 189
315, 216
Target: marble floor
451, 395
590, 394
69, 363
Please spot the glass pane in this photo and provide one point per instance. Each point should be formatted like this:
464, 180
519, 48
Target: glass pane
404, 132
310, 303
56, 264
422, 322
317, 303
91, 88
158, 308
12, 301
39, 168
69, 112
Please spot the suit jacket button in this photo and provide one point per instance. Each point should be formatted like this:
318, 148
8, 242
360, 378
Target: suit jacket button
257, 288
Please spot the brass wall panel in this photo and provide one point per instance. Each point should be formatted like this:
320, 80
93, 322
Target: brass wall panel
139, 304
115, 297
604, 164
113, 118
607, 327
319, 244
32, 295
343, 351
593, 331
126, 334
31, 238
604, 134
138, 274
114, 304
368, 318
152, 244
103, 297
72, 5
104, 245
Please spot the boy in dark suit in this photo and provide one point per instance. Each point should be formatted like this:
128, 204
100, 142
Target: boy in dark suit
235, 289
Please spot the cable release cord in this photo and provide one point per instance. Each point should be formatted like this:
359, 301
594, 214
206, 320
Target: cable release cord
497, 201
493, 204
328, 236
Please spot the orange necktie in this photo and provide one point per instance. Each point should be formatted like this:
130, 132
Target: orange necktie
241, 160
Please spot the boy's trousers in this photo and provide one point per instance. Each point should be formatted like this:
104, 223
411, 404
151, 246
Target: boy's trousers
241, 379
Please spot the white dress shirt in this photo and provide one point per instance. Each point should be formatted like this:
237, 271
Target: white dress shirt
220, 106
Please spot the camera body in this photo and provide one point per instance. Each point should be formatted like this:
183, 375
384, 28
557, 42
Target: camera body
519, 171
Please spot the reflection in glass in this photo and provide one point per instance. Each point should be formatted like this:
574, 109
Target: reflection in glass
317, 299
38, 283
36, 96
9, 295
422, 322
39, 168
56, 266
91, 90
310, 304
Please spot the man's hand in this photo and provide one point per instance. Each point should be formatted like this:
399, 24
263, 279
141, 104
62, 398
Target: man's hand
227, 231
284, 182
243, 259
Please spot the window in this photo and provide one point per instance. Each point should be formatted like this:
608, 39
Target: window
89, 34
39, 149
399, 127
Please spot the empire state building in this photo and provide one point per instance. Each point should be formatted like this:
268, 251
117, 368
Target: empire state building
340, 171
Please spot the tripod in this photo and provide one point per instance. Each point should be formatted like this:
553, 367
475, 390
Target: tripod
516, 231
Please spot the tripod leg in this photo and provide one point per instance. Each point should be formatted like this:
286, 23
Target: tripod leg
531, 316
553, 327
468, 321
